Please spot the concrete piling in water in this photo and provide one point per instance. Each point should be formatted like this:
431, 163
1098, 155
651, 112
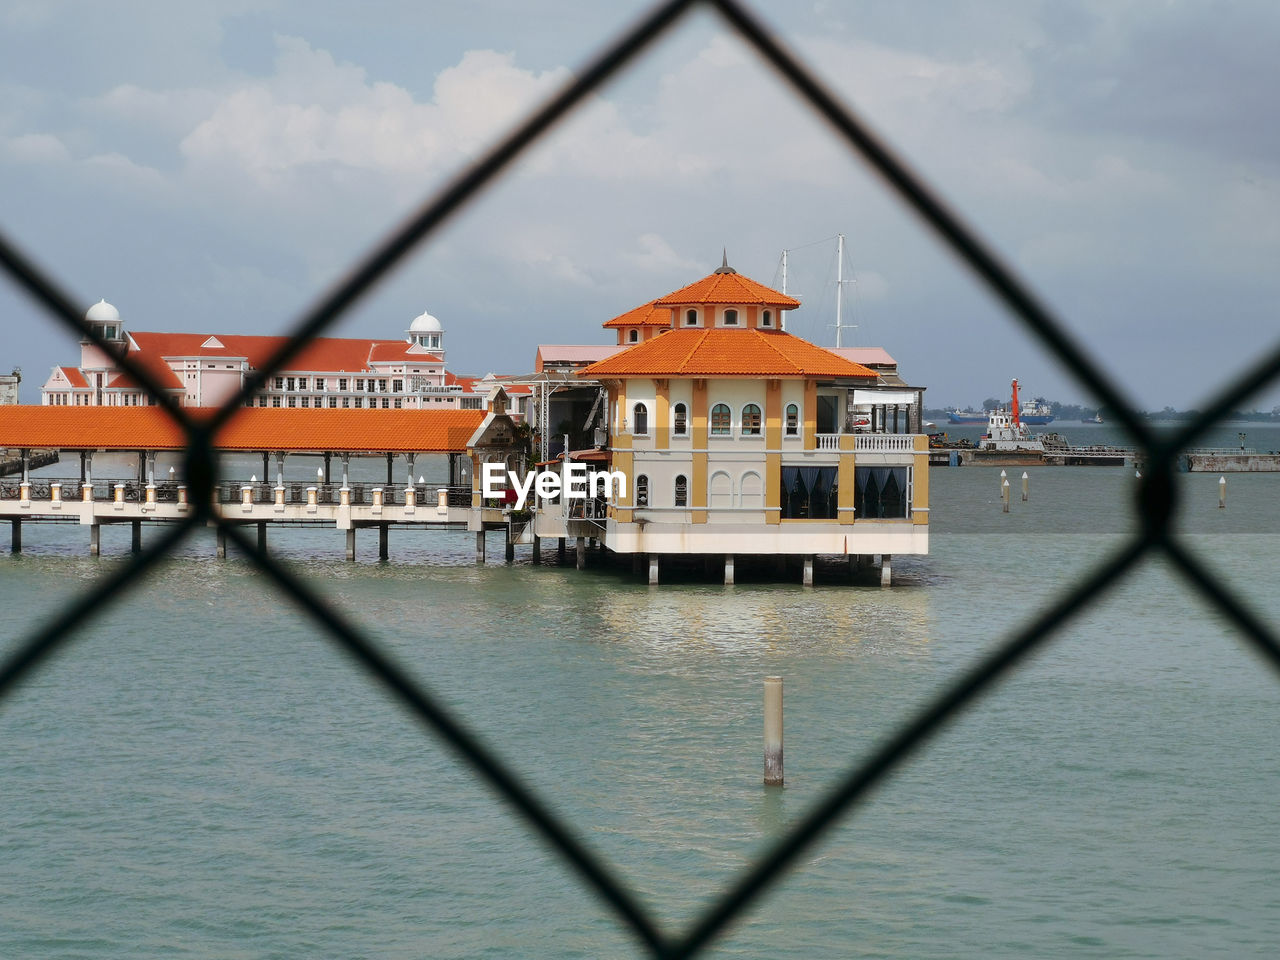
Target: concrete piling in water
220, 543
262, 536
653, 569
1222, 492
581, 553
135, 543
773, 732
1004, 494
383, 529
728, 569
95, 539
886, 570
351, 543
15, 525
537, 549
510, 555
806, 577
560, 550
1026, 486
480, 547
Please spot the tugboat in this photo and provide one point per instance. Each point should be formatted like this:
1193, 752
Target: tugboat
1008, 434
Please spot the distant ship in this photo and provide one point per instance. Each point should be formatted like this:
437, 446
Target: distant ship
1096, 418
1031, 413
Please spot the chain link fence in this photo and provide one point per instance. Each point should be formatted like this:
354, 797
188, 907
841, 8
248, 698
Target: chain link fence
1154, 505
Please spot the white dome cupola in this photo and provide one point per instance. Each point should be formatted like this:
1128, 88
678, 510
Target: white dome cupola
427, 332
105, 321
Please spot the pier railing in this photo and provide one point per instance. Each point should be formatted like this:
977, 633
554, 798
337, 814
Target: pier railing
1155, 505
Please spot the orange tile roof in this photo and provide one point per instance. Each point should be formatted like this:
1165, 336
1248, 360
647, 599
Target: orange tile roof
253, 428
731, 288
386, 351
720, 352
74, 377
646, 315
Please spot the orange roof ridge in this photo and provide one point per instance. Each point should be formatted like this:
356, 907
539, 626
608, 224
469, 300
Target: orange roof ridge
716, 351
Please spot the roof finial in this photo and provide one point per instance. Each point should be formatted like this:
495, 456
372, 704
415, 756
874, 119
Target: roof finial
724, 263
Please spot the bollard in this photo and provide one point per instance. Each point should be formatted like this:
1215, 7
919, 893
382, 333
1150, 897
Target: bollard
1222, 492
1004, 494
410, 499
344, 496
24, 493
182, 497
86, 492
246, 497
442, 501
773, 731
55, 493
312, 499
118, 503
1026, 486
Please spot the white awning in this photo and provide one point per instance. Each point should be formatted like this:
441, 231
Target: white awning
874, 397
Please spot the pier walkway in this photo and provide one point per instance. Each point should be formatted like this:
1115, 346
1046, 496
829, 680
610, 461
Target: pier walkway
336, 437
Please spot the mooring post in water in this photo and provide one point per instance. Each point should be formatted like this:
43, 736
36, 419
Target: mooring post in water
1026, 486
773, 731
1222, 492
1004, 494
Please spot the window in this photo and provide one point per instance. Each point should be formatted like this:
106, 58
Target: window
809, 493
731, 318
333, 403
386, 403
275, 401
691, 318
382, 386
397, 386
342, 383
751, 420
881, 492
292, 383
793, 420
278, 383
682, 491
306, 401
293, 401
359, 403
720, 420
346, 403
766, 319
399, 403
634, 336
681, 414
642, 491
639, 419
359, 384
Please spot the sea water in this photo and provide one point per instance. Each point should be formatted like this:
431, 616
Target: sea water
200, 771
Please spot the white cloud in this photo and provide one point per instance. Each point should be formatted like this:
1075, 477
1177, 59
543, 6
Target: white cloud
656, 255
35, 148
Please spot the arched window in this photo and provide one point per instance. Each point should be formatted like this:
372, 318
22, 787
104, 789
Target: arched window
721, 490
793, 420
751, 491
751, 420
731, 318
691, 318
766, 320
682, 491
680, 413
634, 336
720, 420
639, 419
642, 491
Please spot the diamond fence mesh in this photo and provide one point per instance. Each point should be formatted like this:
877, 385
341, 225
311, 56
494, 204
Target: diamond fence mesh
1154, 505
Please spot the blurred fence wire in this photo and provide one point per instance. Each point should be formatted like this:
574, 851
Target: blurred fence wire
1154, 504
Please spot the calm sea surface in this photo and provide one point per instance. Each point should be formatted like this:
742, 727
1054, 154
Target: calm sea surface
202, 773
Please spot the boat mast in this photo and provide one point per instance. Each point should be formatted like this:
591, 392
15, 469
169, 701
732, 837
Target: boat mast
1017, 422
782, 314
840, 282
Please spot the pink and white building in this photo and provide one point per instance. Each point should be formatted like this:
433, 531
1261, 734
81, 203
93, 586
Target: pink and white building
204, 370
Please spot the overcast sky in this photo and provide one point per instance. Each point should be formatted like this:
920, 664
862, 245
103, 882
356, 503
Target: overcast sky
211, 167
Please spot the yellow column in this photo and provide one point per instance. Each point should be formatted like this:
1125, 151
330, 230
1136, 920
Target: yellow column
847, 488
810, 414
661, 417
698, 479
920, 482
773, 441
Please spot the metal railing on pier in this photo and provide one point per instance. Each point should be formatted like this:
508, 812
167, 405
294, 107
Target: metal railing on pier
1155, 505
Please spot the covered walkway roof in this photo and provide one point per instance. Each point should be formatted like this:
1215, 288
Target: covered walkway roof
253, 428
